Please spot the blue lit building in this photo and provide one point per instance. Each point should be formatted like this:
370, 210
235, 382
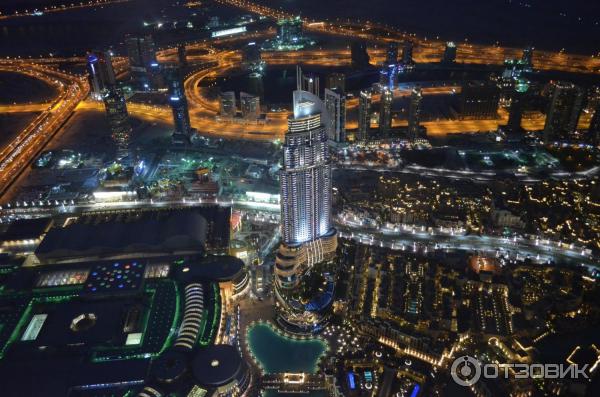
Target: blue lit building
308, 234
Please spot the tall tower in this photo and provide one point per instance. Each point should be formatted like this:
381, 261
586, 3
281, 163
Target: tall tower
392, 54
564, 108
527, 57
101, 74
414, 114
308, 234
181, 56
360, 56
385, 112
515, 111
307, 82
142, 60
178, 102
449, 53
407, 53
364, 116
118, 117
335, 104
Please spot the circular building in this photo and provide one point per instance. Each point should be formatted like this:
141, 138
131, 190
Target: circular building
220, 368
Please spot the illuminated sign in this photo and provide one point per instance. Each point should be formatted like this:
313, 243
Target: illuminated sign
226, 32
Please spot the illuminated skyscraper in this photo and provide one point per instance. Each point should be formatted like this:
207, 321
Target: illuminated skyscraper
118, 117
449, 53
308, 234
227, 104
562, 114
364, 116
515, 111
385, 113
335, 104
307, 82
414, 114
101, 74
178, 102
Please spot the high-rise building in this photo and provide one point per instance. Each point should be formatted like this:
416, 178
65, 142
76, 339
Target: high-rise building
359, 55
336, 81
142, 60
414, 114
227, 104
388, 76
479, 100
307, 231
101, 74
307, 82
527, 58
251, 58
564, 107
182, 56
141, 51
250, 106
391, 57
449, 53
407, 53
118, 117
594, 130
335, 104
385, 113
515, 110
178, 101
364, 116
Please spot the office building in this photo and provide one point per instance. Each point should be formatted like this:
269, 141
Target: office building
118, 117
359, 55
449, 53
251, 58
336, 81
142, 60
178, 102
307, 82
227, 104
101, 74
385, 113
479, 100
515, 110
364, 116
407, 53
565, 102
250, 106
307, 231
182, 56
391, 57
414, 114
335, 104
